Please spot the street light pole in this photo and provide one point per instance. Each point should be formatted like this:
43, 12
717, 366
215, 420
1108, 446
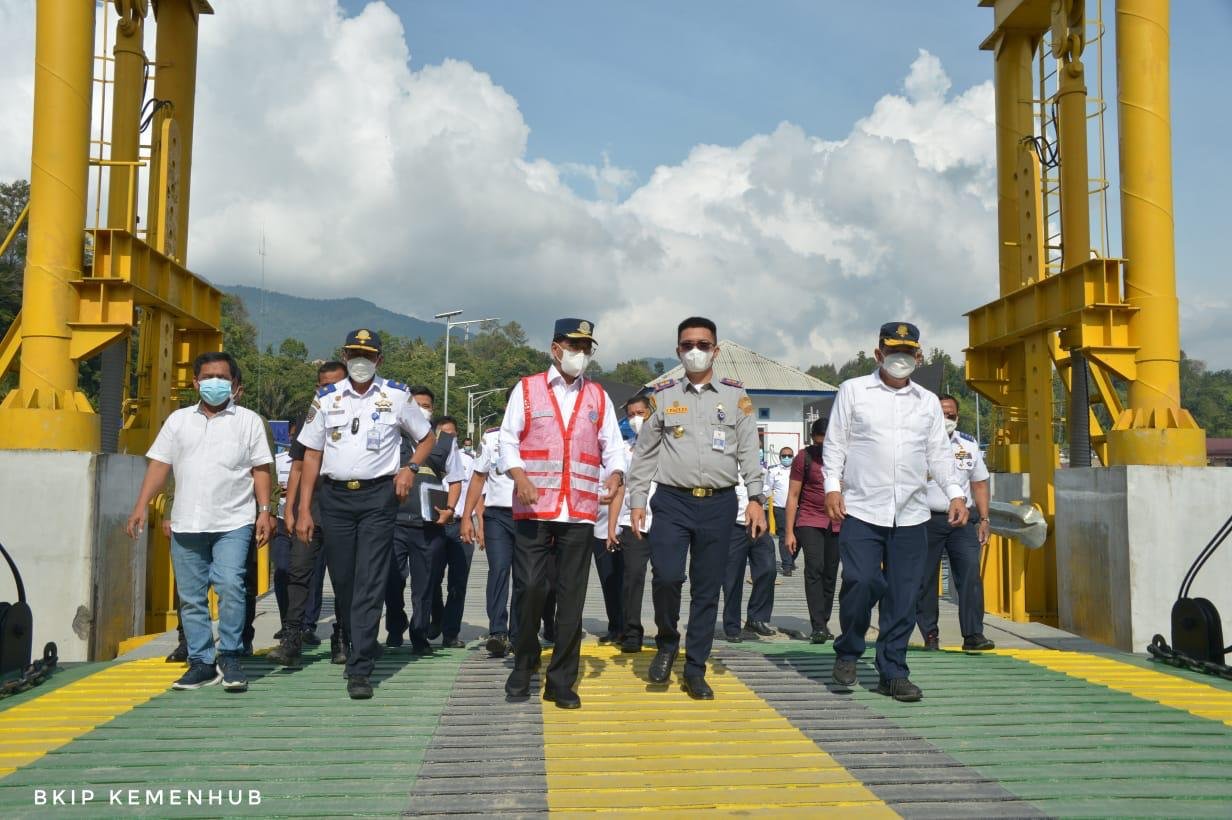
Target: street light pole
473, 399
447, 315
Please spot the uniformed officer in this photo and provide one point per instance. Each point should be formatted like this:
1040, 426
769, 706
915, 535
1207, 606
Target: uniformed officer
352, 437
778, 480
559, 431
699, 440
885, 434
961, 544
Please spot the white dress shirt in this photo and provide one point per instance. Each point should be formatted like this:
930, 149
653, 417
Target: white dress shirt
212, 458
625, 518
968, 466
611, 442
468, 469
497, 487
385, 406
777, 481
282, 466
881, 445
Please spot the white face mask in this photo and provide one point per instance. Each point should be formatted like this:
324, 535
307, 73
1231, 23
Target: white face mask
361, 370
696, 360
899, 365
427, 414
573, 363
635, 422
950, 426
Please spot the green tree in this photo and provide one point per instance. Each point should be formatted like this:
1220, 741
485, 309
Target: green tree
293, 349
13, 198
634, 371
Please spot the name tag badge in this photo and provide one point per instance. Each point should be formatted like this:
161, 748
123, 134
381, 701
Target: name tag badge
542, 414
718, 441
374, 439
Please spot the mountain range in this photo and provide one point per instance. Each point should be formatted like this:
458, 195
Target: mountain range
322, 324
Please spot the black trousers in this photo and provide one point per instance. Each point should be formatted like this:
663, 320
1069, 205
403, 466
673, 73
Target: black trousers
305, 579
359, 538
538, 543
962, 545
696, 531
611, 569
820, 548
759, 557
635, 554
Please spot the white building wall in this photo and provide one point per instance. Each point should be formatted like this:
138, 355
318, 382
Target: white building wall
785, 425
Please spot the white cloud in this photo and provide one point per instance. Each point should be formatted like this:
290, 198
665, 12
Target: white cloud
412, 188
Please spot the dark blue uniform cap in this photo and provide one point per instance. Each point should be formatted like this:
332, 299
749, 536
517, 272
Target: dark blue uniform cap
899, 334
363, 339
574, 329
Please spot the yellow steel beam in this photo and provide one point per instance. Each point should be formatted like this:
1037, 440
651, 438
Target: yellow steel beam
1154, 429
46, 411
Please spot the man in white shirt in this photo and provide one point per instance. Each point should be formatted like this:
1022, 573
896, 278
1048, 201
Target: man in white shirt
778, 480
961, 544
886, 435
219, 454
559, 431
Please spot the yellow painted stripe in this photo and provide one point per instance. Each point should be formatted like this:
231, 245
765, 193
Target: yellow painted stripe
1190, 696
638, 748
32, 729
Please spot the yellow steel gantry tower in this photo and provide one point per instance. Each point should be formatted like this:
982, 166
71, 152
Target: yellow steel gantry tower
72, 311
1099, 321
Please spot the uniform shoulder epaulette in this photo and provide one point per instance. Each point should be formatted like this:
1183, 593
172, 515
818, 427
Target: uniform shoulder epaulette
491, 430
966, 437
663, 385
397, 385
322, 392
732, 383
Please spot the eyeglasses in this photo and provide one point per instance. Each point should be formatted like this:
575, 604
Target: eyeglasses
704, 347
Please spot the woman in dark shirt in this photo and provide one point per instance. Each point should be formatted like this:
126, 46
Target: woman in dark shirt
809, 527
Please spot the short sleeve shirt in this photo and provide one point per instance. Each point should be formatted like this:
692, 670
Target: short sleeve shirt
359, 436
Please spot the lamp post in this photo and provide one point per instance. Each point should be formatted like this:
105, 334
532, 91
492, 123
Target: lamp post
447, 315
473, 399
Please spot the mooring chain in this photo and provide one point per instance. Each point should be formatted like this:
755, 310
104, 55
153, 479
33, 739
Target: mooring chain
34, 674
1160, 651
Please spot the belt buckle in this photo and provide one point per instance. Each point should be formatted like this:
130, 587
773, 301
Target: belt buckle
353, 484
700, 492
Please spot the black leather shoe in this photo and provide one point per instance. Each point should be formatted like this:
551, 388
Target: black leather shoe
787, 572
498, 645
844, 672
287, 652
732, 637
434, 630
358, 687
518, 684
899, 689
821, 636
977, 643
932, 642
697, 688
421, 648
567, 699
661, 666
631, 644
761, 628
453, 643
309, 637
393, 641
337, 648
609, 637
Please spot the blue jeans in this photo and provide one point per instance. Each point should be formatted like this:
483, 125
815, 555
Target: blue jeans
202, 560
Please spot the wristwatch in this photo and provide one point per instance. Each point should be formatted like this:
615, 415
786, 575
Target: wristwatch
264, 508
412, 466
760, 499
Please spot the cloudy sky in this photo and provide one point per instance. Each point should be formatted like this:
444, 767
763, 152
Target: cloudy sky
799, 171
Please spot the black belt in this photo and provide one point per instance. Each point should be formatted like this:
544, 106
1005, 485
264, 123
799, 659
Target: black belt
356, 483
973, 515
697, 492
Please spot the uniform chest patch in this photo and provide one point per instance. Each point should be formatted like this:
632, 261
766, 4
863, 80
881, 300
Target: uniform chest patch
676, 409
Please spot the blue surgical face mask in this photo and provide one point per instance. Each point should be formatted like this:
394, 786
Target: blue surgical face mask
785, 461
215, 391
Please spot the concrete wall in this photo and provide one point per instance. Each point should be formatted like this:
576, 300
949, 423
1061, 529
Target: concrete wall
785, 427
63, 527
1125, 538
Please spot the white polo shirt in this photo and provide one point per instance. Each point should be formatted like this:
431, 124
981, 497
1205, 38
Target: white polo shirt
212, 460
497, 487
881, 445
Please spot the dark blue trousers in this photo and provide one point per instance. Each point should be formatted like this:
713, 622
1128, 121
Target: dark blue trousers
498, 539
696, 531
455, 559
611, 569
962, 545
786, 559
882, 567
280, 555
759, 557
416, 551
